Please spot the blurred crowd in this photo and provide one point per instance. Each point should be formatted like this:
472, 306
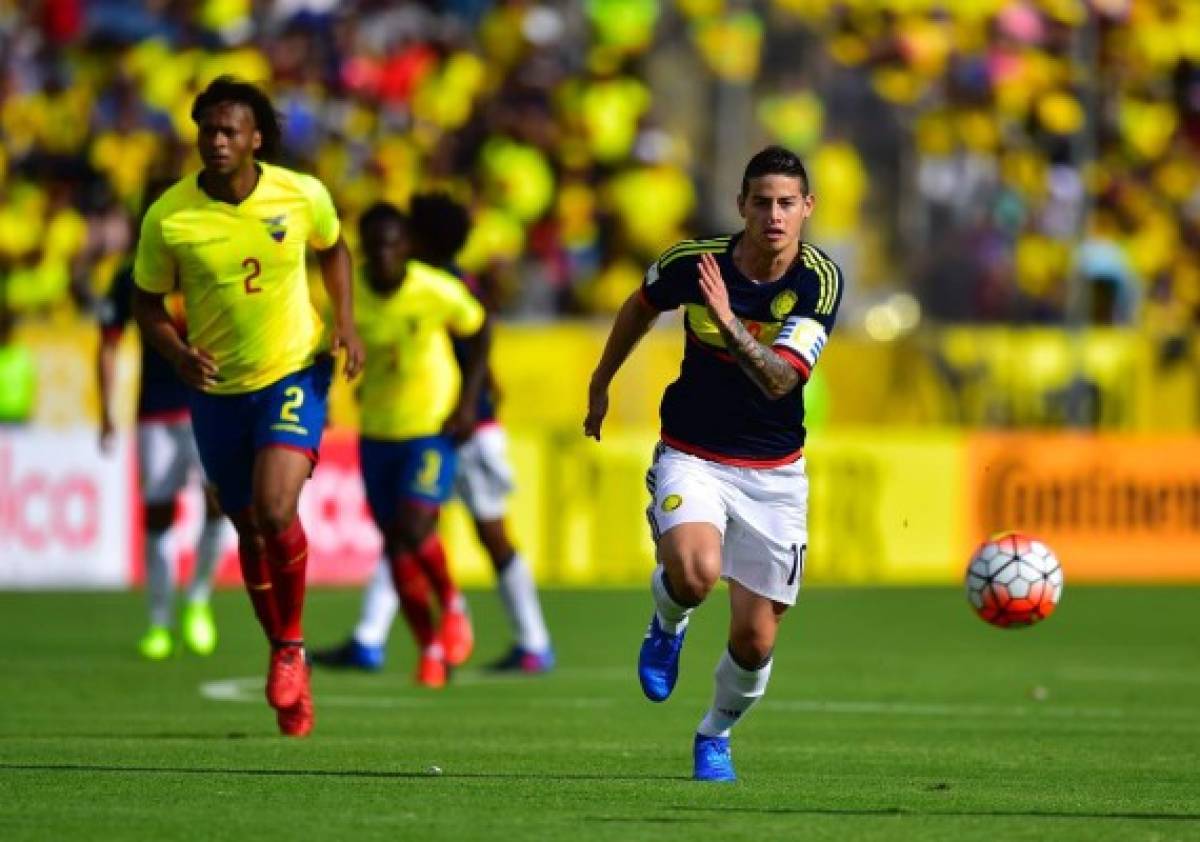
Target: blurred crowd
1048, 152
973, 160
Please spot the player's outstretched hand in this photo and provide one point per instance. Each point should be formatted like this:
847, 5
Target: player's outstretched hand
356, 352
196, 367
712, 286
597, 409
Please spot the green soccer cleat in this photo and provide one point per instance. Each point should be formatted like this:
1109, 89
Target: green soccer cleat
199, 630
156, 644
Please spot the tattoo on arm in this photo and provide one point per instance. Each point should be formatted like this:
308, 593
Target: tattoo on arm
769, 371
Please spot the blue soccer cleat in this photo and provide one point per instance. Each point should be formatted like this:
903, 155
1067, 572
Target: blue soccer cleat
712, 760
522, 660
351, 655
658, 661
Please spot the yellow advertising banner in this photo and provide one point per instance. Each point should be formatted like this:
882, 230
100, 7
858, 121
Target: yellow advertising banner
1111, 507
885, 506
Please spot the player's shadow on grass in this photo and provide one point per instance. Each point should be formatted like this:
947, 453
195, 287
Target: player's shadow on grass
909, 811
321, 773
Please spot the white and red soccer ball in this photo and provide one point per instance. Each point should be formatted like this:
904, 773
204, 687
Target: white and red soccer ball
1014, 580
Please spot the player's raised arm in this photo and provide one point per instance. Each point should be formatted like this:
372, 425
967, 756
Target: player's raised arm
774, 375
633, 320
336, 275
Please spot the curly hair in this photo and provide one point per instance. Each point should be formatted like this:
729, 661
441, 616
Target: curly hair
266, 118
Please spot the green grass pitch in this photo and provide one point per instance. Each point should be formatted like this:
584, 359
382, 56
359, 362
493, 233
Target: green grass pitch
892, 714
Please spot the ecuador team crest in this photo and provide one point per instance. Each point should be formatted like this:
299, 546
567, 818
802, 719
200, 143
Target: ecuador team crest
783, 303
276, 227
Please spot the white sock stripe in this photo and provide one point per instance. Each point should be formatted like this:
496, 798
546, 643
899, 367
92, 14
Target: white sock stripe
160, 576
518, 593
735, 691
671, 615
208, 553
379, 607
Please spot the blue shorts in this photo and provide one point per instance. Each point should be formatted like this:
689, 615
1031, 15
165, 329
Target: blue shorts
231, 429
410, 471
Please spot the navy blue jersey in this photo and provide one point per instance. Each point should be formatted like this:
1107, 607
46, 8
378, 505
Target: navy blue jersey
162, 393
485, 407
714, 410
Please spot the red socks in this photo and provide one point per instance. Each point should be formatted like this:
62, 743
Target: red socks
288, 554
256, 574
413, 589
432, 558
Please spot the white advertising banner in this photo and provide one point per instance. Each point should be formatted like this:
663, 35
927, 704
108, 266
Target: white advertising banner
65, 509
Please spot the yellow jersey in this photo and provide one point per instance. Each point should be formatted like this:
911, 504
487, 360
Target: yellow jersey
411, 380
241, 270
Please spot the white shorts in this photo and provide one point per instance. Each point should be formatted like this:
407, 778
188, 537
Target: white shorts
167, 459
761, 513
485, 477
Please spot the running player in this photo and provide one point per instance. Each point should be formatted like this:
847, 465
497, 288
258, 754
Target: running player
167, 461
232, 238
415, 406
438, 228
729, 491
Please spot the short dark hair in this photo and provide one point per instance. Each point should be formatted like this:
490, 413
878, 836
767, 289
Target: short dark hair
439, 226
775, 160
379, 213
266, 118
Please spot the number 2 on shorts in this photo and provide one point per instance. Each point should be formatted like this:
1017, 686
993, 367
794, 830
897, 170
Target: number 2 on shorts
295, 397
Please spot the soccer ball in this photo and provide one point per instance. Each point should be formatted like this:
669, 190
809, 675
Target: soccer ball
1014, 580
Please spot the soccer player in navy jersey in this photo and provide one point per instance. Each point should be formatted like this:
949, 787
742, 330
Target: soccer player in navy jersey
167, 462
729, 490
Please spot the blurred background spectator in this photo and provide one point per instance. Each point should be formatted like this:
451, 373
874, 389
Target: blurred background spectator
958, 151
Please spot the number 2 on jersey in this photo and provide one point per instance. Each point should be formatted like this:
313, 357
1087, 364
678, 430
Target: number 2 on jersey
255, 269
295, 397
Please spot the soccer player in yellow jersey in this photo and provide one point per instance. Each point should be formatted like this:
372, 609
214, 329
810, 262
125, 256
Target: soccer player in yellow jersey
416, 407
438, 226
232, 239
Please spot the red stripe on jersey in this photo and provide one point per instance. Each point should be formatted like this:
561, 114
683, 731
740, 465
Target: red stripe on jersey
794, 360
111, 333
723, 356
734, 461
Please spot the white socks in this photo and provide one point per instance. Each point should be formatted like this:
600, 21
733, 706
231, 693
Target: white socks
519, 595
379, 607
160, 576
208, 553
672, 616
736, 691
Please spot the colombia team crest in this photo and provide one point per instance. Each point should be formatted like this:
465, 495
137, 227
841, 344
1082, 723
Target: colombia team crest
783, 303
276, 227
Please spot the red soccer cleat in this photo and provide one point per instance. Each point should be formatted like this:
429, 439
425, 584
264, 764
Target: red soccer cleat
297, 720
287, 676
457, 637
431, 670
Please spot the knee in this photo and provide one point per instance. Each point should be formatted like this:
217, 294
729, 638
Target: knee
751, 645
694, 577
412, 529
274, 514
